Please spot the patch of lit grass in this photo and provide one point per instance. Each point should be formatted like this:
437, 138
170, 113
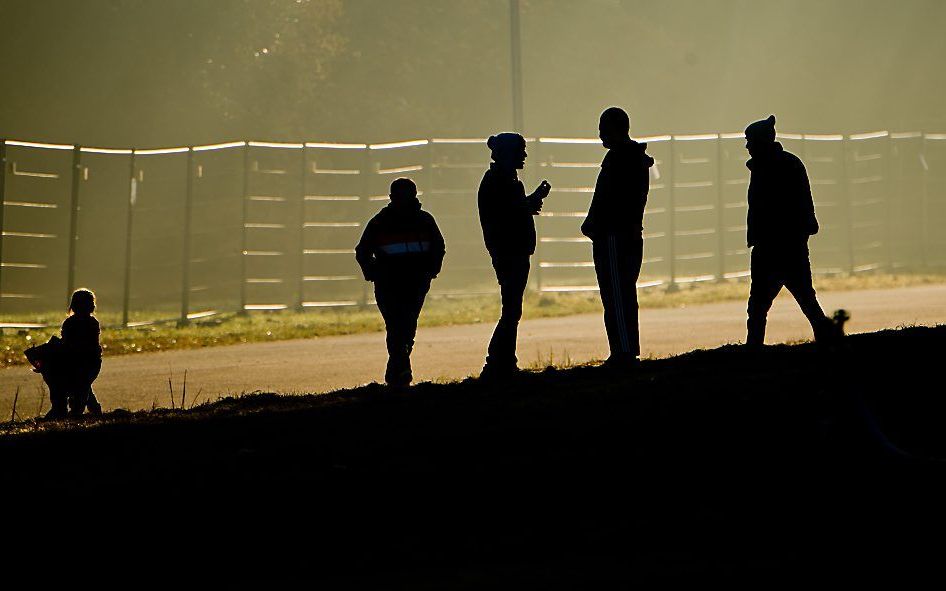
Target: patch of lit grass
229, 329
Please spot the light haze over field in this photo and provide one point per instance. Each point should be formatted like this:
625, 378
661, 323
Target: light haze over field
257, 227
179, 72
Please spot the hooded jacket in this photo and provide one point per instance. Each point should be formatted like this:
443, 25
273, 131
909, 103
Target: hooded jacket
506, 214
781, 209
617, 207
401, 241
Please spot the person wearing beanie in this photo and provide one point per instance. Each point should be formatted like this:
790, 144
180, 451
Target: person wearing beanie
401, 251
506, 215
780, 219
615, 226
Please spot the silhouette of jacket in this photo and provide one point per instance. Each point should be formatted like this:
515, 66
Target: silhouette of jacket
781, 209
80, 337
506, 214
617, 206
401, 241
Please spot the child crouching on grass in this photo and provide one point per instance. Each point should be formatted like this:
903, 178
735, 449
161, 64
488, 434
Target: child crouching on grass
71, 363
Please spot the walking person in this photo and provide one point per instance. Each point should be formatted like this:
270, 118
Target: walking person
615, 224
780, 219
506, 215
401, 251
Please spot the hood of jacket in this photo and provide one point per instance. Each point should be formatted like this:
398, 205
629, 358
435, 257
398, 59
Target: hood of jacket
763, 159
627, 153
401, 208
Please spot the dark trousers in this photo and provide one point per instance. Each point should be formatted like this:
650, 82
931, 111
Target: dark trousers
512, 273
70, 385
618, 265
400, 302
773, 267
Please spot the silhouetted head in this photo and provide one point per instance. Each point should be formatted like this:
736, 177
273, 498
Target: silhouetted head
760, 136
613, 127
82, 302
403, 190
508, 149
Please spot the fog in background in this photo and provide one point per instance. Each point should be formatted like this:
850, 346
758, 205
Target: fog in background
174, 72
261, 227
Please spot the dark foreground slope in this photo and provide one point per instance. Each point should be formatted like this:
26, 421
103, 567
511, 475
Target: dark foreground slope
716, 462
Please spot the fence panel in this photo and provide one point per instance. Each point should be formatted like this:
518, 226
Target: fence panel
104, 194
216, 222
456, 166
36, 227
564, 254
934, 197
158, 230
337, 205
733, 194
906, 212
191, 232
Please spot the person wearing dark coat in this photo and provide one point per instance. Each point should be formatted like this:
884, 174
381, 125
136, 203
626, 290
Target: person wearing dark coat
506, 215
75, 360
401, 251
780, 219
615, 226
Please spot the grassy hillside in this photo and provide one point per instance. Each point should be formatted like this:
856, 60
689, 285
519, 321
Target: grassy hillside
722, 462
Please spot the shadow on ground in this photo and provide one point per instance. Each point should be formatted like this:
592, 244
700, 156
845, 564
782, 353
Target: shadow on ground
722, 462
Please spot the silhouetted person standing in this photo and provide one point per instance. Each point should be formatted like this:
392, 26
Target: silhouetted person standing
615, 225
509, 231
781, 218
401, 251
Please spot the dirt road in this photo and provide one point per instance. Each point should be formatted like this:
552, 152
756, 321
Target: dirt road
322, 364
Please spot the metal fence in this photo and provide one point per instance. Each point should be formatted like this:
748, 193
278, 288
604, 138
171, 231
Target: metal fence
184, 233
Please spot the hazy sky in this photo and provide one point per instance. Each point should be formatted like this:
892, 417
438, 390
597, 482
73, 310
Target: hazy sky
172, 72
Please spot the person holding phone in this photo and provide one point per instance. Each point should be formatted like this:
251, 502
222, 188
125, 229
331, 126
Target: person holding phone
506, 215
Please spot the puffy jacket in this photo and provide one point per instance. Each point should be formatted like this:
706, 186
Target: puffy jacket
506, 214
400, 242
80, 337
617, 206
781, 209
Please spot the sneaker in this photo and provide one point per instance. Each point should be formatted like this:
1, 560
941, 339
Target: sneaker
495, 372
622, 362
55, 414
400, 379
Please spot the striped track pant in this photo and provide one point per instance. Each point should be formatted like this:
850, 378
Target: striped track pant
618, 265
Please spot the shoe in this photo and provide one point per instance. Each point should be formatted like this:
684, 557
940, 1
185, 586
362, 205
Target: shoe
55, 414
95, 409
622, 362
400, 379
492, 372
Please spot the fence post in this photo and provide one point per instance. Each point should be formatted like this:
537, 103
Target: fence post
243, 217
539, 224
720, 211
129, 218
672, 213
888, 200
186, 254
73, 222
3, 179
924, 203
366, 170
848, 197
301, 240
